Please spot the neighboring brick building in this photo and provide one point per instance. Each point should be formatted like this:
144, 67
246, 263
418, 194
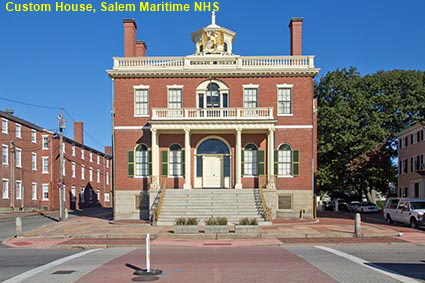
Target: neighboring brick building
214, 120
30, 168
411, 166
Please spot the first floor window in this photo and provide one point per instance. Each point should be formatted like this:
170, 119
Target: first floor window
83, 172
18, 189
73, 169
250, 160
142, 161
107, 199
5, 188
175, 164
45, 188
284, 160
91, 174
284, 101
82, 193
34, 191
141, 102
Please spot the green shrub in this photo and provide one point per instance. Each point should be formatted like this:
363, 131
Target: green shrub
216, 221
248, 221
186, 221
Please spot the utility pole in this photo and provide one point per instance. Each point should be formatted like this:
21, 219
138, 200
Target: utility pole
60, 182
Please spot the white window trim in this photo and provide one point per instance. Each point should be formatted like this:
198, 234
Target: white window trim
91, 174
42, 141
143, 87
34, 154
98, 175
33, 136
17, 125
5, 130
170, 87
254, 86
82, 154
278, 86
32, 191
20, 189
106, 199
42, 165
91, 156
73, 150
43, 186
20, 157
73, 169
97, 159
7, 155
83, 173
8, 188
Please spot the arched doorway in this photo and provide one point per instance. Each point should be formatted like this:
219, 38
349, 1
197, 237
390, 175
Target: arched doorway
213, 164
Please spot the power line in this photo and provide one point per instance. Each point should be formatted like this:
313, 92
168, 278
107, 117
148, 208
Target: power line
31, 104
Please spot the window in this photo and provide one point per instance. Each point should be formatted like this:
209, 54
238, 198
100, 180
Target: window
45, 188
91, 157
82, 172
73, 194
34, 191
73, 169
82, 154
107, 163
285, 202
34, 161
97, 159
18, 154
33, 136
91, 174
175, 156
45, 142
174, 97
141, 101
90, 194
212, 95
142, 162
250, 160
5, 188
98, 194
284, 160
73, 150
107, 199
18, 189
45, 161
98, 175
18, 131
250, 96
5, 154
284, 97
4, 126
64, 167
405, 141
416, 190
107, 178
82, 198
405, 162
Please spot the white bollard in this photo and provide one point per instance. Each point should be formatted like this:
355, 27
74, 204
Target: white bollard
19, 232
66, 213
357, 226
148, 252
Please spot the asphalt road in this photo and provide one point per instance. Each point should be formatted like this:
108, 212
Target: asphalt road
290, 263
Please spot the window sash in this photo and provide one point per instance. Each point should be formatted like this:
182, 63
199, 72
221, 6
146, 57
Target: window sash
250, 98
141, 162
18, 189
250, 163
34, 161
34, 191
18, 130
5, 188
18, 157
141, 102
45, 192
5, 155
175, 163
284, 162
284, 100
45, 161
174, 98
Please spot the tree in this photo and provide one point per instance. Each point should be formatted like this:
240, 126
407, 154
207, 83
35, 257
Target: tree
359, 117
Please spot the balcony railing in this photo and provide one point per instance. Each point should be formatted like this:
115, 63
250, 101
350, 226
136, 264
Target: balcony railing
265, 113
213, 62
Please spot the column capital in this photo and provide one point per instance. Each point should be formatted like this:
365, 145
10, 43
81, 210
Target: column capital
271, 130
238, 130
154, 130
187, 130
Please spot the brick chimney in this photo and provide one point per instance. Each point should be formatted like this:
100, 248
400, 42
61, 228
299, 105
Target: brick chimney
296, 28
79, 132
130, 29
108, 150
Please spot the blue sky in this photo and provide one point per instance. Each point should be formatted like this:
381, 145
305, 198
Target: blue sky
60, 58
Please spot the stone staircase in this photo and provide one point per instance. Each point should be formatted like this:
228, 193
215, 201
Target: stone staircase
204, 203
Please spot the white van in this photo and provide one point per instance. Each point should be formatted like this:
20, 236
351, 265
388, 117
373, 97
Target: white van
406, 211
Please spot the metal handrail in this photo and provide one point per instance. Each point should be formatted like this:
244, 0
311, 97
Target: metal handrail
267, 211
157, 203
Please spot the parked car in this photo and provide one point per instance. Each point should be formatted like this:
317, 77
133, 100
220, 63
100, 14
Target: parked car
352, 206
365, 207
406, 211
342, 205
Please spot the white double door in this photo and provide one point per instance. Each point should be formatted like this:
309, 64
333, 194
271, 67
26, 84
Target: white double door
212, 172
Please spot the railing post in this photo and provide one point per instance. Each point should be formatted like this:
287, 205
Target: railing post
311, 61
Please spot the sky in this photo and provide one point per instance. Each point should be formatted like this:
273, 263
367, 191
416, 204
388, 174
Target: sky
59, 59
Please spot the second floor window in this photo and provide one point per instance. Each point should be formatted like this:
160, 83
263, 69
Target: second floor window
250, 98
284, 101
33, 136
141, 102
5, 154
45, 143
18, 157
45, 161
175, 98
34, 161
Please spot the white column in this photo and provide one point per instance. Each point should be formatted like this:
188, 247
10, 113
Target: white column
154, 159
270, 160
238, 159
187, 159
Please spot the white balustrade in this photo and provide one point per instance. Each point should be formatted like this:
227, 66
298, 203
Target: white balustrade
263, 113
211, 62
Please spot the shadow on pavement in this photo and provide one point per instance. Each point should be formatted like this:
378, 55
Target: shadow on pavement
413, 270
95, 212
49, 217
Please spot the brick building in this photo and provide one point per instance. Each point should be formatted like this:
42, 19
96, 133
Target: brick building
411, 166
30, 169
214, 120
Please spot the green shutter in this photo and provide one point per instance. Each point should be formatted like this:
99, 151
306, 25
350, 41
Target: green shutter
164, 162
243, 161
182, 162
149, 163
295, 163
261, 162
276, 162
130, 163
